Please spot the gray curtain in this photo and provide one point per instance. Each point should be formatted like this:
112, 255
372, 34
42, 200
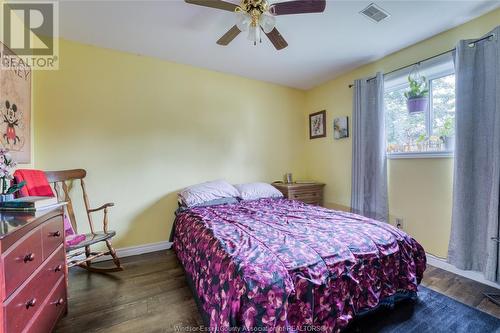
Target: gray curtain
477, 158
369, 167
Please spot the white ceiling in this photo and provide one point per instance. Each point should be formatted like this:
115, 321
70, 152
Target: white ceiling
321, 46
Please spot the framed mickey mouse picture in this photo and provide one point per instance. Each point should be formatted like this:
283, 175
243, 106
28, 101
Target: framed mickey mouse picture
15, 105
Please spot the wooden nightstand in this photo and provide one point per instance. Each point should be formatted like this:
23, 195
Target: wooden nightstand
311, 193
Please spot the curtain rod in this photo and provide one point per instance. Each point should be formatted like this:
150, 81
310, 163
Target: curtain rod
471, 44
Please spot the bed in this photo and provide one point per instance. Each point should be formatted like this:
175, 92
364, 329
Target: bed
281, 265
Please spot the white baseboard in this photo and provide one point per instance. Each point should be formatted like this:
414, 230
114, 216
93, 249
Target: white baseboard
136, 250
473, 275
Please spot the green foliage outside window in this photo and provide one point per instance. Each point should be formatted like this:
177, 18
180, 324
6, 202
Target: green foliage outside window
422, 131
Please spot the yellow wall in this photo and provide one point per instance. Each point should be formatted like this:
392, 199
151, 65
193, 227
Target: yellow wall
420, 190
144, 128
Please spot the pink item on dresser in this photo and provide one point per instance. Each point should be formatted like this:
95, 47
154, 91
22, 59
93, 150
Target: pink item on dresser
36, 183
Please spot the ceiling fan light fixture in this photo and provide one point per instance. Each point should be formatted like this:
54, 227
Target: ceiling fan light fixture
254, 33
243, 20
267, 22
256, 16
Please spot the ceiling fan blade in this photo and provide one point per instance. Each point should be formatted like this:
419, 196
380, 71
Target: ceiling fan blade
298, 7
229, 36
278, 41
218, 4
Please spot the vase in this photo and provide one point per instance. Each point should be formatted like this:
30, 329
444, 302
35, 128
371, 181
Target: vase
6, 197
416, 105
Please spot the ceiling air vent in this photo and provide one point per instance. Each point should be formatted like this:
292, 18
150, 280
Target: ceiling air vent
375, 13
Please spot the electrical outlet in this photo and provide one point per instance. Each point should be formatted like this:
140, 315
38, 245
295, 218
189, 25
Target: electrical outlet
399, 223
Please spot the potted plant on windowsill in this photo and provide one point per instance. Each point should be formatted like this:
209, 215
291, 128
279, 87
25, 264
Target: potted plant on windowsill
447, 134
417, 97
422, 142
7, 165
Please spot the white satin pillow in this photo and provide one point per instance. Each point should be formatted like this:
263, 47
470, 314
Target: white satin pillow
254, 191
208, 191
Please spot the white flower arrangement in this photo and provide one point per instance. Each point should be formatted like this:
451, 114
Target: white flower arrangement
7, 166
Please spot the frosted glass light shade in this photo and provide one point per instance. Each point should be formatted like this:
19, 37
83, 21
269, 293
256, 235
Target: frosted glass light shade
267, 22
243, 20
254, 34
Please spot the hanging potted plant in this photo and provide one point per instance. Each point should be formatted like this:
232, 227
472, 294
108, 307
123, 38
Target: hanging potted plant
417, 97
7, 165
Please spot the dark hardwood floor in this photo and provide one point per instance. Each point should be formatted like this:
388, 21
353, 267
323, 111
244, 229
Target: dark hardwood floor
151, 295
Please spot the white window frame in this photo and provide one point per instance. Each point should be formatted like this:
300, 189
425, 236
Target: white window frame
438, 68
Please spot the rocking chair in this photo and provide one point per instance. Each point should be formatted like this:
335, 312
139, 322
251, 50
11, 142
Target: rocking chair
59, 181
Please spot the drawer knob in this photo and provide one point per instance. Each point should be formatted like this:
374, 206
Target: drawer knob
56, 234
60, 301
29, 257
58, 268
31, 303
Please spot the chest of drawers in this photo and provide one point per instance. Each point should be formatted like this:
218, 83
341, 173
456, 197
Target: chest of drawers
311, 193
32, 270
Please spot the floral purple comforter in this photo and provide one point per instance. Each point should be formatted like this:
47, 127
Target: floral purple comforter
281, 265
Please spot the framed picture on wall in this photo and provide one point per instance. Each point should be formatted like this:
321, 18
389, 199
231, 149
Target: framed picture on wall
15, 106
317, 125
341, 128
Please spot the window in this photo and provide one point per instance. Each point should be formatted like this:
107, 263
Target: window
425, 134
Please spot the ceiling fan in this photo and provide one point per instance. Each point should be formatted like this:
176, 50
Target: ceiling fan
256, 15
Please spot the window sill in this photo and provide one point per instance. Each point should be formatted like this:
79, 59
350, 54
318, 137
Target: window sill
427, 154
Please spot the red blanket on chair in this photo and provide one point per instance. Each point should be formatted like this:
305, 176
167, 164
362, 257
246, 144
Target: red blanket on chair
36, 183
